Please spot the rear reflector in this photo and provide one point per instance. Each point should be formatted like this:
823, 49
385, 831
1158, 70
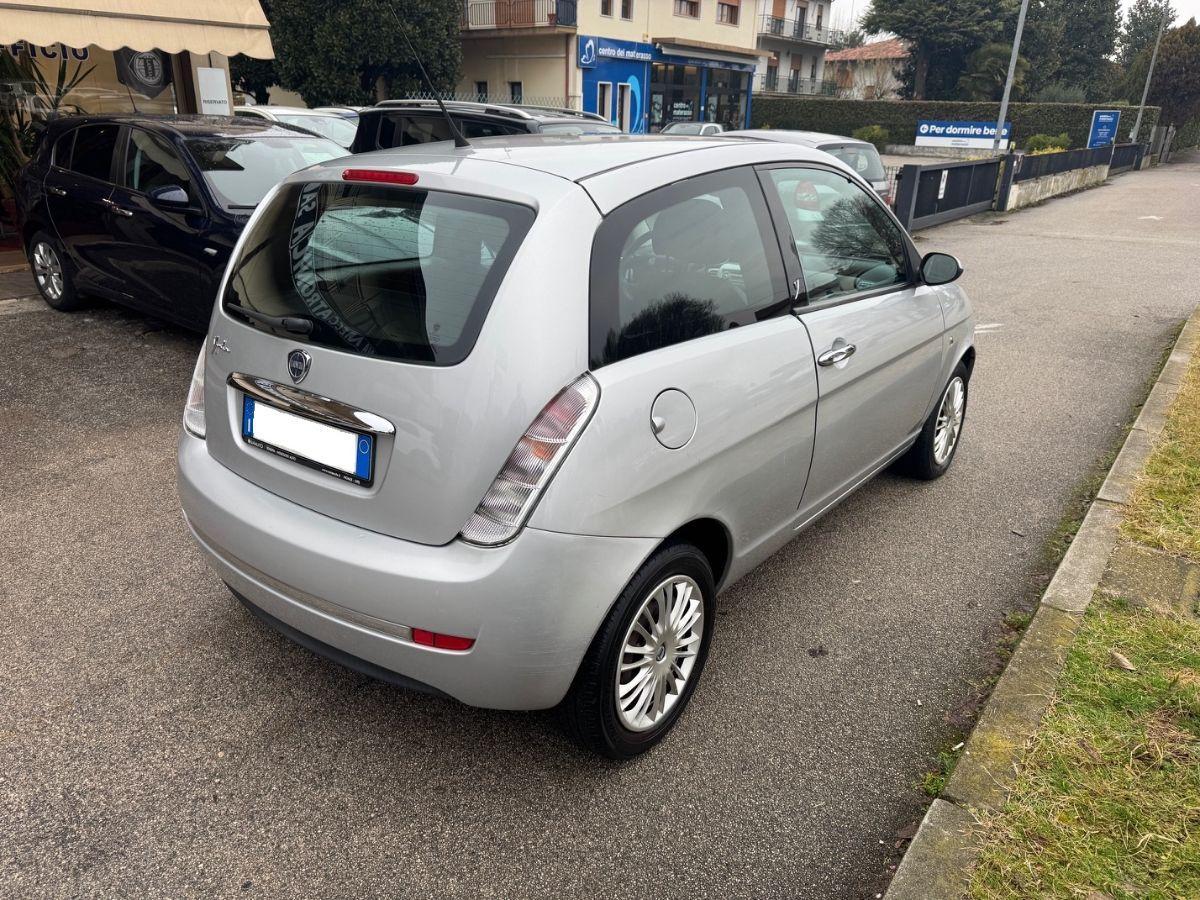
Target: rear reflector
380, 175
441, 641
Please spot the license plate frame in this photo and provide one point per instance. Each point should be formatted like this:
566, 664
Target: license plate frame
365, 443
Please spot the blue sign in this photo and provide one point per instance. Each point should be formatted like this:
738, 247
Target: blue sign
959, 134
1104, 128
594, 50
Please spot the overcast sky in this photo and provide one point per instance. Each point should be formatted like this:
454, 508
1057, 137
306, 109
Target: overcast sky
845, 11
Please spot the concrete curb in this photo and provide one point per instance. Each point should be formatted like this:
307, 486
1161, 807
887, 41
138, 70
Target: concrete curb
938, 863
10, 270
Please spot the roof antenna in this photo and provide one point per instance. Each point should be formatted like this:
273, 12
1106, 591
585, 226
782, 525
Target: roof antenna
459, 140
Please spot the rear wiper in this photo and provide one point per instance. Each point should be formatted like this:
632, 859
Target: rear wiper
292, 324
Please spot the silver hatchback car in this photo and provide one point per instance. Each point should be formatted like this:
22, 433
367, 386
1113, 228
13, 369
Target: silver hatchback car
500, 422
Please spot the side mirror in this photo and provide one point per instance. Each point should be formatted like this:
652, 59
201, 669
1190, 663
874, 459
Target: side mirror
170, 196
939, 268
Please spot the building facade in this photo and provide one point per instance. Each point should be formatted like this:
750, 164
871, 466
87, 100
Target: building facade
870, 72
640, 63
794, 36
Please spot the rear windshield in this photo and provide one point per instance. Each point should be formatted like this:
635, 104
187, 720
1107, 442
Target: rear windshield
862, 158
379, 271
241, 170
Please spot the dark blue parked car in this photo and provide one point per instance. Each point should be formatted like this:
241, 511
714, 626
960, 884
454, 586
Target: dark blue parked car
145, 210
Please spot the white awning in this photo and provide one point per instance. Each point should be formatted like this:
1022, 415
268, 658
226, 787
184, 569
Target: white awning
228, 27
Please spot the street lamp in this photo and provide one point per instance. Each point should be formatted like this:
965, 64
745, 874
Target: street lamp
1012, 70
1162, 26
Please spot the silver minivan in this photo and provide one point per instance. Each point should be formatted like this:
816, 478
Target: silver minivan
500, 422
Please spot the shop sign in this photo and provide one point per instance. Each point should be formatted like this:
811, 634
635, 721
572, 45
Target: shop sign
980, 135
147, 72
50, 51
212, 86
594, 50
683, 110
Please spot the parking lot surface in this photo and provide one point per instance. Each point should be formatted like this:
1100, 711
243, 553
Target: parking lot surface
157, 740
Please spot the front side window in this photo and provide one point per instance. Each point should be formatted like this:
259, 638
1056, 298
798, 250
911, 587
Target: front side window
845, 240
685, 261
150, 163
406, 274
241, 170
94, 149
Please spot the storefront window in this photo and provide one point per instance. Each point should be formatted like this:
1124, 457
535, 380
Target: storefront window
674, 94
726, 98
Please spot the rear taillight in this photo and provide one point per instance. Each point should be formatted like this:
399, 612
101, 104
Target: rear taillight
193, 410
540, 451
383, 176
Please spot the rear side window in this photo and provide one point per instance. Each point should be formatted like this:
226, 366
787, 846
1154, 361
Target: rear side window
379, 271
682, 262
94, 148
404, 131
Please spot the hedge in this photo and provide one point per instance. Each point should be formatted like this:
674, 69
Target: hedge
900, 117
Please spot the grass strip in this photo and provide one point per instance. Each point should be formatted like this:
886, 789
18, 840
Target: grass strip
1108, 800
1164, 511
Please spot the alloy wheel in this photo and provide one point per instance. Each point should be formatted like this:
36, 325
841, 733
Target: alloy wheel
949, 420
659, 652
47, 270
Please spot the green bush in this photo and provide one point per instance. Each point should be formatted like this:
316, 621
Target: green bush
873, 134
1043, 143
900, 117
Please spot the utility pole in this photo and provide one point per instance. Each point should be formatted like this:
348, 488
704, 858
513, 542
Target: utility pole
1162, 26
1012, 71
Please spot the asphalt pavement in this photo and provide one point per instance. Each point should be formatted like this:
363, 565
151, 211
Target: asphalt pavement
156, 740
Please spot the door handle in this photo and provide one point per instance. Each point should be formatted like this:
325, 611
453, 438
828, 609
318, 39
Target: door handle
211, 251
120, 211
836, 355
57, 191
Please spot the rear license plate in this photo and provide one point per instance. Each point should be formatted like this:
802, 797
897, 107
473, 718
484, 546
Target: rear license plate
339, 452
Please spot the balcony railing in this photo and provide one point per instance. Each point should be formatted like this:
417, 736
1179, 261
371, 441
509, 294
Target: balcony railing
493, 14
796, 30
770, 82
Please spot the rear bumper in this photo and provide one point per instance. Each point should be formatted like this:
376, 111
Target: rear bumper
532, 606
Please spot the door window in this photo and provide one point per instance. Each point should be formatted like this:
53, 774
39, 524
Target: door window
844, 238
682, 262
150, 163
94, 148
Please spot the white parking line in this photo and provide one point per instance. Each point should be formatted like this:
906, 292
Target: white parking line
14, 306
988, 327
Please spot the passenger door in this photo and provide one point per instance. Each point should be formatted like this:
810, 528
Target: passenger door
876, 332
78, 187
158, 246
708, 382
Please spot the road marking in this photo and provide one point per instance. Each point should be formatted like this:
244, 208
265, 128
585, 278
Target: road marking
1154, 218
14, 306
988, 327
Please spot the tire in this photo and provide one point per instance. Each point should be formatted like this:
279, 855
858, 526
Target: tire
591, 711
52, 273
928, 459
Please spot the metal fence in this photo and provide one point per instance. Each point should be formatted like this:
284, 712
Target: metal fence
942, 192
1042, 164
517, 13
1126, 157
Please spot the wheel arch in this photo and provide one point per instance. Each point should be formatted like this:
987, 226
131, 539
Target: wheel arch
712, 538
968, 360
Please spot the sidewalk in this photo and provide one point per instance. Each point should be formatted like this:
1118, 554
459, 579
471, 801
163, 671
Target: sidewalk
1082, 777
